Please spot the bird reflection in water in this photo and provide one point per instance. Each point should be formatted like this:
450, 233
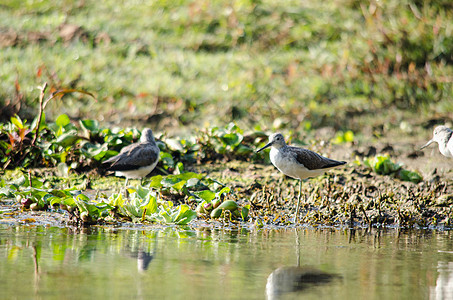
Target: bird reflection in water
143, 256
291, 279
294, 279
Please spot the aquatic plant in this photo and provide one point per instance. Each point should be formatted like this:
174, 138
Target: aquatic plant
383, 165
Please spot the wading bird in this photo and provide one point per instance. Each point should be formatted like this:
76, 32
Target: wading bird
298, 163
136, 160
444, 137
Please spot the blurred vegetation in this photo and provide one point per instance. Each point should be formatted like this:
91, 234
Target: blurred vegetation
190, 63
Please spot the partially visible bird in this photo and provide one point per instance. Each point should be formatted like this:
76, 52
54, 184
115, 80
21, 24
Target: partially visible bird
298, 163
444, 137
136, 160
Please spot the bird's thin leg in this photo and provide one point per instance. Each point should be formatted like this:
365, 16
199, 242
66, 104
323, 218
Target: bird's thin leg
127, 180
296, 219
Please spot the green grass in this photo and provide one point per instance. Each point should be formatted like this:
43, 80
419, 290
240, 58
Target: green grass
200, 62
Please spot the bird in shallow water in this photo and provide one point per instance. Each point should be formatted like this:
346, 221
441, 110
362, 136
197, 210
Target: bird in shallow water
298, 163
444, 137
136, 160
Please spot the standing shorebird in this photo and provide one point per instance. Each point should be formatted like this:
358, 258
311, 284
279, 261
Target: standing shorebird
136, 160
297, 162
444, 137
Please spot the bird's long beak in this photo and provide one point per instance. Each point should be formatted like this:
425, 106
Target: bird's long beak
267, 145
427, 144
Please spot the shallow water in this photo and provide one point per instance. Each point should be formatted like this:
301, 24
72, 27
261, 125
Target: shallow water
176, 263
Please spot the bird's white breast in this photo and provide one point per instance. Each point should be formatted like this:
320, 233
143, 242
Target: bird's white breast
289, 166
447, 150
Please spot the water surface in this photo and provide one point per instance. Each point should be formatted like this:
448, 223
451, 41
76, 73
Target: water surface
38, 262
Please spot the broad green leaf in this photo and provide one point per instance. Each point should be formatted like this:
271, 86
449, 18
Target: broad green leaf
184, 215
156, 182
142, 192
206, 195
407, 175
67, 139
62, 120
167, 159
224, 190
232, 139
90, 125
151, 206
245, 212
17, 122
174, 144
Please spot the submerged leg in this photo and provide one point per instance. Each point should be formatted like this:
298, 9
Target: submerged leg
296, 218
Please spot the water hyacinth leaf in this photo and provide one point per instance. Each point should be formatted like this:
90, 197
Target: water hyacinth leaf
206, 195
224, 190
179, 185
164, 214
407, 175
192, 182
245, 212
61, 193
178, 181
142, 192
185, 215
35, 182
232, 139
83, 203
94, 151
174, 144
90, 125
167, 159
156, 182
116, 200
62, 120
169, 181
68, 139
150, 205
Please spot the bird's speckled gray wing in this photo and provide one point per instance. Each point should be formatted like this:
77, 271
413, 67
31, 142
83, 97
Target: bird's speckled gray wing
133, 157
312, 160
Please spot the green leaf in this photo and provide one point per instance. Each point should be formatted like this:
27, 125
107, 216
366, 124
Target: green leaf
185, 215
90, 125
167, 159
62, 120
156, 182
17, 122
245, 212
224, 190
206, 195
67, 139
232, 139
142, 192
42, 125
407, 175
174, 144
151, 206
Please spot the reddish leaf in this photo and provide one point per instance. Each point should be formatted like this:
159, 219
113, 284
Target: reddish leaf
39, 72
22, 133
17, 85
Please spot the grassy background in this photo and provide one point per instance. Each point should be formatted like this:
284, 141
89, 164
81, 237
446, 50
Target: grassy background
180, 65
